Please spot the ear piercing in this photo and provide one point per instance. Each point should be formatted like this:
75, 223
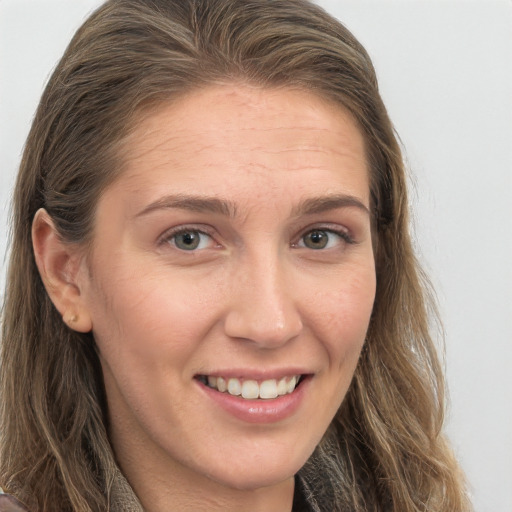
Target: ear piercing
71, 319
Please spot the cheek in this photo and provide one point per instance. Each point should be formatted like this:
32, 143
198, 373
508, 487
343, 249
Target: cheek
343, 316
146, 318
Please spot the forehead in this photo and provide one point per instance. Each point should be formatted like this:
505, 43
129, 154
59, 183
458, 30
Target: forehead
241, 134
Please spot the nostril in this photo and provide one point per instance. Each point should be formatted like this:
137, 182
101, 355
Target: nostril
268, 329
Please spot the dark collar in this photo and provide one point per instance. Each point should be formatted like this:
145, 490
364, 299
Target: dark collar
9, 503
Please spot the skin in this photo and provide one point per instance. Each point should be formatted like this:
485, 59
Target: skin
253, 295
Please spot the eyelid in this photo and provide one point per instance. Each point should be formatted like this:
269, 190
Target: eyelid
341, 231
165, 237
336, 229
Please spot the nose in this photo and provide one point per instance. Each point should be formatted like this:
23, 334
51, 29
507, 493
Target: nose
263, 307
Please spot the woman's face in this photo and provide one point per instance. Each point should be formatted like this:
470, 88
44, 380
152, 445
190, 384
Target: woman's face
233, 255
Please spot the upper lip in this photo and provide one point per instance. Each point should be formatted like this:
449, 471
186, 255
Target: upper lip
256, 374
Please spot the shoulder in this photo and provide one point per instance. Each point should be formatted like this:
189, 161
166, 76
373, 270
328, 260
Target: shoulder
9, 503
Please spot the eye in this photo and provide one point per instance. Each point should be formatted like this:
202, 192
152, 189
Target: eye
323, 239
189, 240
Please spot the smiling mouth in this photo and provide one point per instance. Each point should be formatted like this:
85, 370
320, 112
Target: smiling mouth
252, 389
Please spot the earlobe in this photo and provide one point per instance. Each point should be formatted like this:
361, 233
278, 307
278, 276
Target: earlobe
59, 264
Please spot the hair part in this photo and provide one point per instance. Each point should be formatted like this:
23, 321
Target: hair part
384, 449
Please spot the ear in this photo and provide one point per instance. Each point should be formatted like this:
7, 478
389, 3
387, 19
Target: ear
61, 265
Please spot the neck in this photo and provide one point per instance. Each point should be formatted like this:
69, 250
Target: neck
162, 492
162, 485
157, 498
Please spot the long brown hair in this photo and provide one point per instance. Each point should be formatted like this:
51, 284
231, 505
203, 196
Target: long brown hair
384, 449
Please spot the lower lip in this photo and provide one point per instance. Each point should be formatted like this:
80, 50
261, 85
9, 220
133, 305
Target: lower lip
259, 411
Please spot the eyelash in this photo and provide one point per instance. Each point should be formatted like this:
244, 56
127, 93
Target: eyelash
168, 238
342, 233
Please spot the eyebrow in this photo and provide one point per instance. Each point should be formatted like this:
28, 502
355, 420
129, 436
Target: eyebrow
204, 204
191, 203
322, 204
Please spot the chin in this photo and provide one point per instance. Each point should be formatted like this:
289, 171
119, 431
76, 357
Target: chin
258, 473
254, 480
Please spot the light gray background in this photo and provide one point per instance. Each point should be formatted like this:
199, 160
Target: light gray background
445, 69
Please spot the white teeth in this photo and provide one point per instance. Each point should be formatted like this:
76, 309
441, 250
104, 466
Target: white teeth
268, 389
251, 389
221, 384
291, 385
281, 387
234, 387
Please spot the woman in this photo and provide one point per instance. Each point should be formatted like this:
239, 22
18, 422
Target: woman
212, 301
